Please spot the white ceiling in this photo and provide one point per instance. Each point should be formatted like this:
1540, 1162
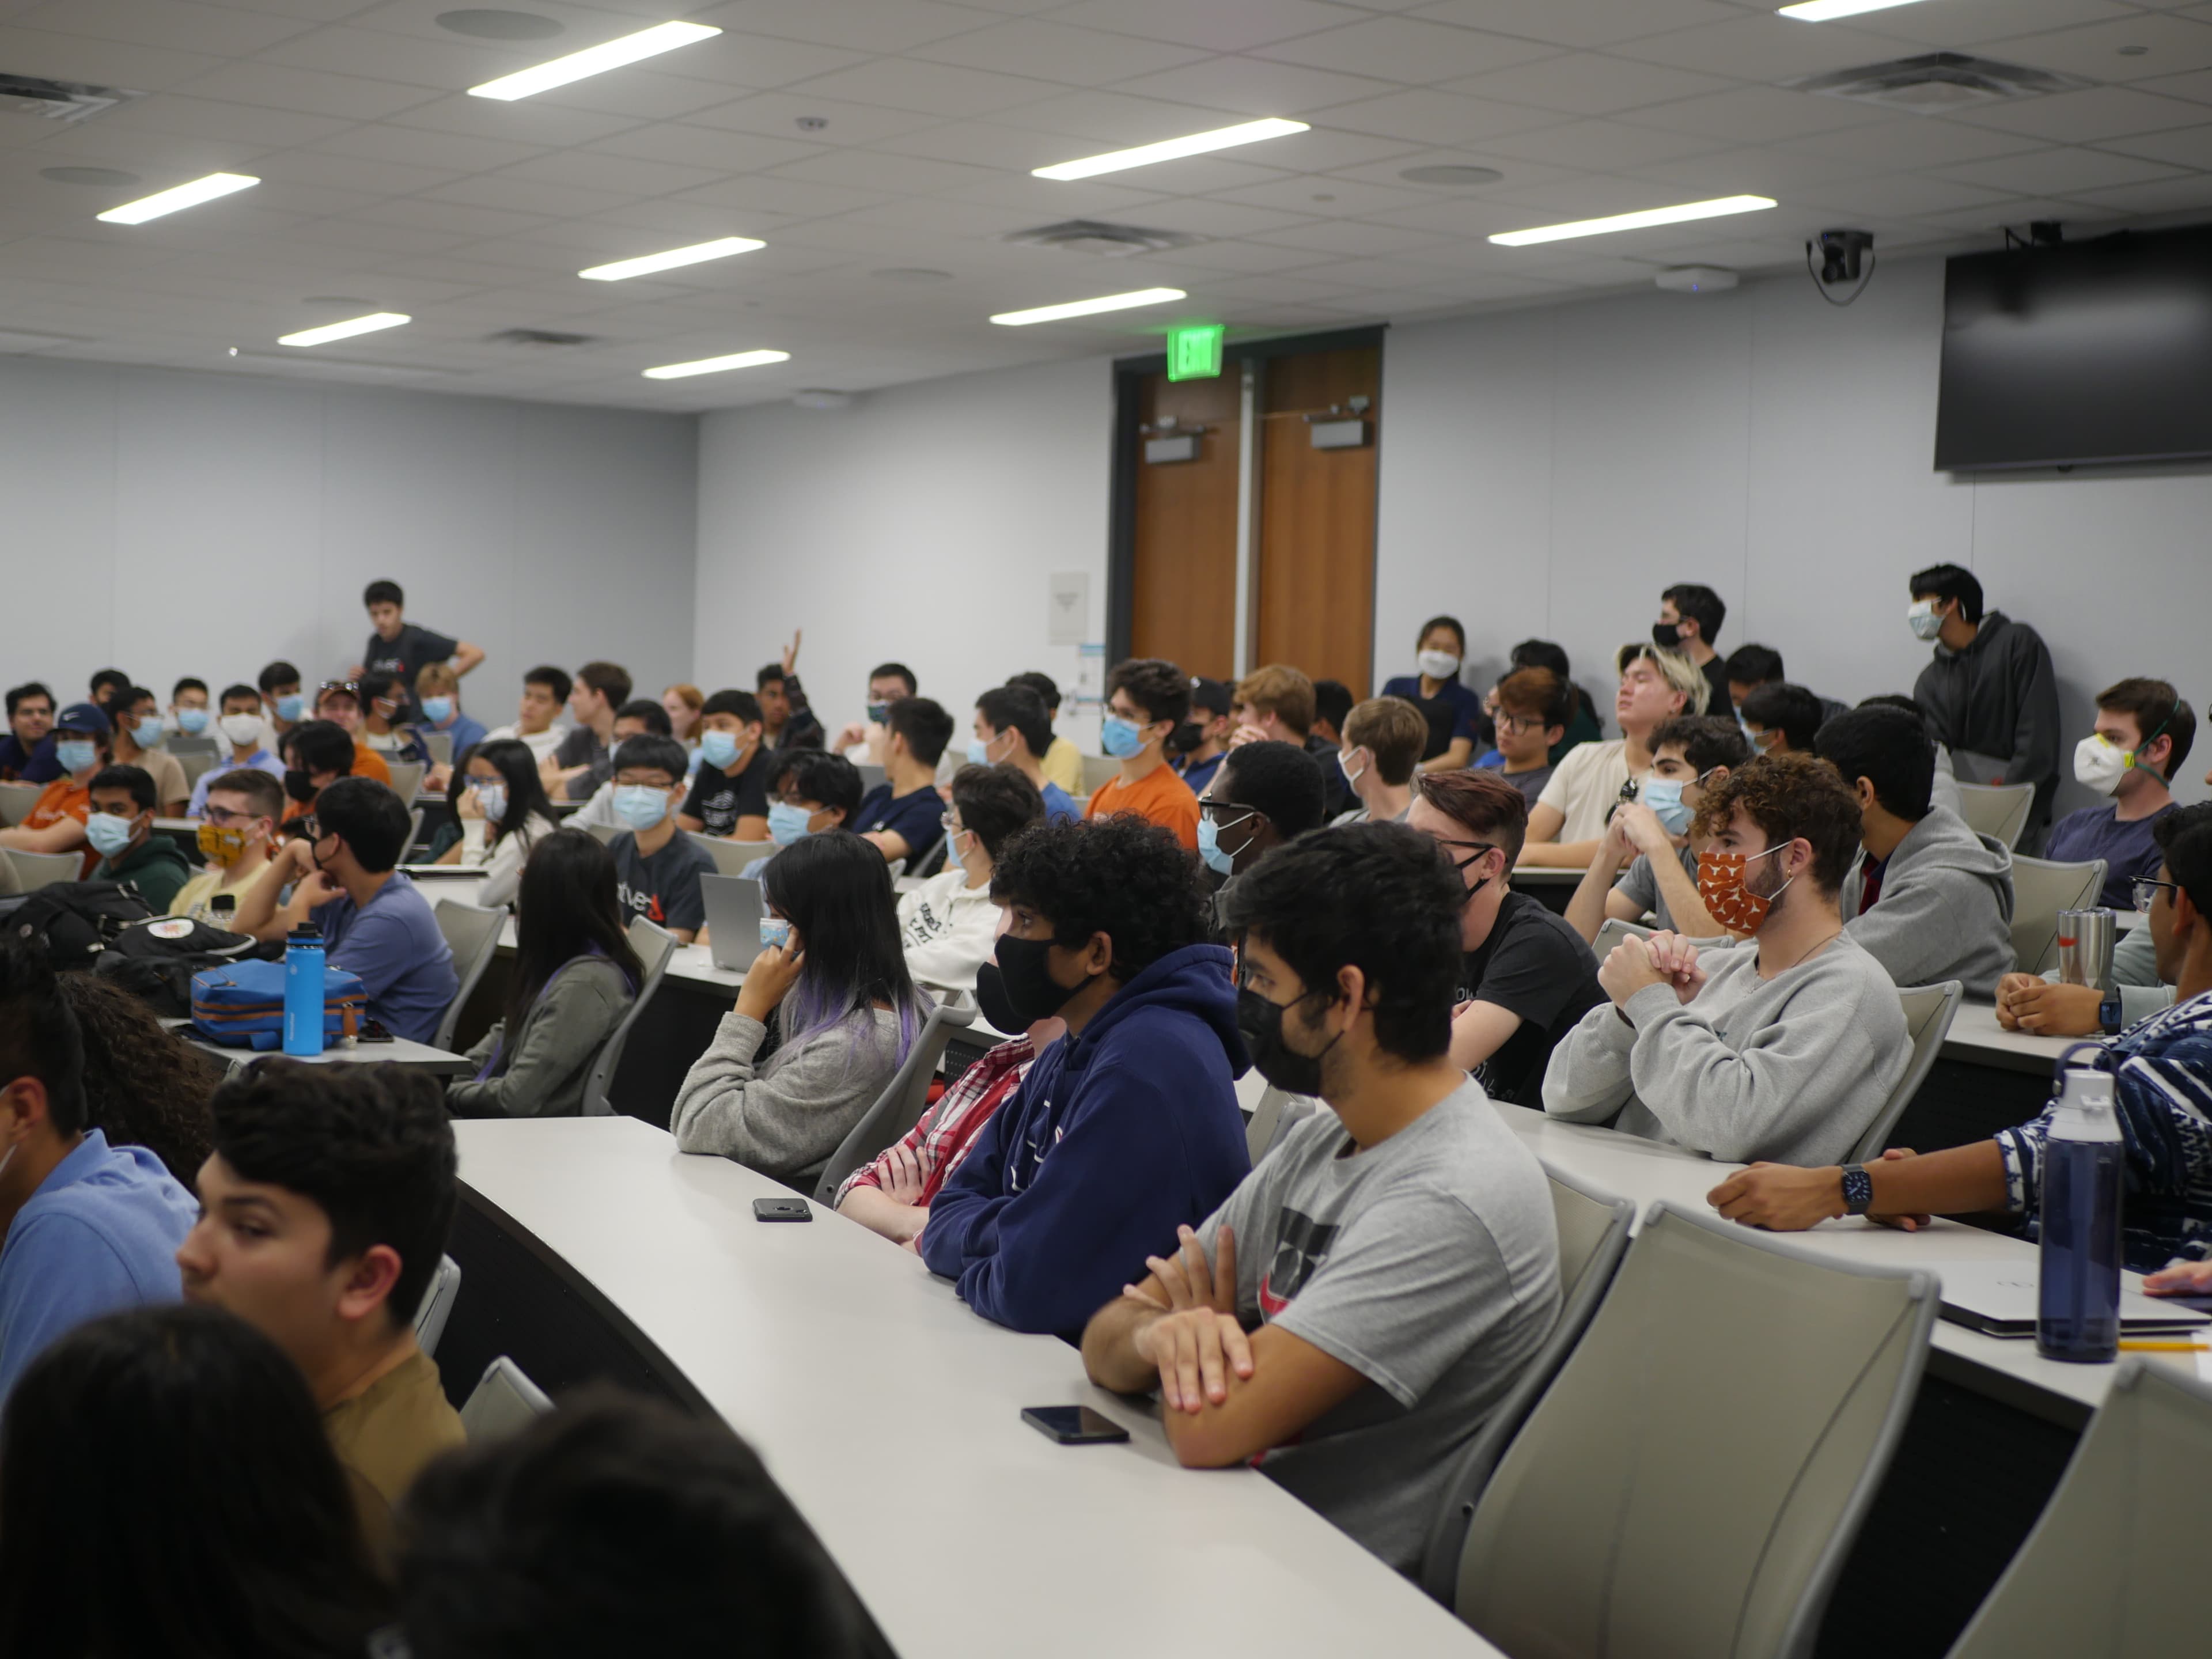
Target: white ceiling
385, 188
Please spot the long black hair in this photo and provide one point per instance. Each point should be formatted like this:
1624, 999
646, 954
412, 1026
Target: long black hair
835, 891
526, 791
166, 1487
566, 908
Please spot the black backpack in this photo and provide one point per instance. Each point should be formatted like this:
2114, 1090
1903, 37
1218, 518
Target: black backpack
156, 959
74, 921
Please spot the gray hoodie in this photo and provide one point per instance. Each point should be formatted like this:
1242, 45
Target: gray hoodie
787, 1116
1944, 910
1999, 698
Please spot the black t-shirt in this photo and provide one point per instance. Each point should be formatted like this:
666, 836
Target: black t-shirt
408, 655
1717, 700
582, 747
664, 888
718, 798
1535, 965
918, 815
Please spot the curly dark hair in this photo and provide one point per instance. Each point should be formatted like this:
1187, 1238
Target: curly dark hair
1789, 797
144, 1085
995, 802
1122, 876
1155, 686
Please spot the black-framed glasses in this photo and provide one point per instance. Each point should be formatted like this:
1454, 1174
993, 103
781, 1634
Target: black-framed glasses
1479, 848
1224, 813
1516, 724
2144, 890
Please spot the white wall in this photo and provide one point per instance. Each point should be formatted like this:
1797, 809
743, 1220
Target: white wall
172, 523
919, 524
1547, 472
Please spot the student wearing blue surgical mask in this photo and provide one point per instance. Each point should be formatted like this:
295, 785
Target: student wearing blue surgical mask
729, 791
1013, 728
120, 829
657, 868
286, 706
189, 713
503, 815
438, 695
1147, 699
811, 792
135, 713
1263, 794
1646, 865
55, 823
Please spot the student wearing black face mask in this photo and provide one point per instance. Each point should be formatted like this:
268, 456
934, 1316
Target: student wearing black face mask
1128, 1126
1690, 617
316, 754
1365, 1296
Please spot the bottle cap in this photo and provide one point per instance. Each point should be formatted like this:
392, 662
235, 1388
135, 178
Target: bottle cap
305, 933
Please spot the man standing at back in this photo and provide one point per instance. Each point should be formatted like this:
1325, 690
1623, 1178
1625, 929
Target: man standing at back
1991, 695
1690, 617
398, 646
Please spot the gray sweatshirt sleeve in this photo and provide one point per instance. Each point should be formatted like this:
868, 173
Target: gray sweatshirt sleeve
1587, 1080
782, 1124
545, 1074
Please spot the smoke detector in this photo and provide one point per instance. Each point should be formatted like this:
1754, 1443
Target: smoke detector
1938, 83
1095, 237
1697, 279
59, 101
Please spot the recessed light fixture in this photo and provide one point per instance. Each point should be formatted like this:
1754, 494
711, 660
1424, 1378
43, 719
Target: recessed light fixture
1719, 206
594, 60
175, 201
345, 330
716, 365
1820, 11
1171, 150
1143, 296
646, 263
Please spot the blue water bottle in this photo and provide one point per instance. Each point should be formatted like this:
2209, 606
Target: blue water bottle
2078, 1302
303, 991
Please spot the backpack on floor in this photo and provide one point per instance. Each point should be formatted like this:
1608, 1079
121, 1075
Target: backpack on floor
75, 921
241, 1004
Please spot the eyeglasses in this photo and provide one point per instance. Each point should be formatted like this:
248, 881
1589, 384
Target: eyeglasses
949, 824
1479, 848
1516, 724
1225, 813
2145, 890
222, 816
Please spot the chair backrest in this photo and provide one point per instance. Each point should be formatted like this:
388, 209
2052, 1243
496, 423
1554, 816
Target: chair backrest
406, 779
729, 857
2040, 890
1694, 1476
898, 1108
37, 869
181, 743
2114, 1569
439, 746
1613, 930
504, 1403
603, 833
16, 800
1274, 1115
437, 1305
654, 946
1593, 1228
870, 775
472, 934
1928, 1013
196, 763
1997, 808
1097, 770
414, 832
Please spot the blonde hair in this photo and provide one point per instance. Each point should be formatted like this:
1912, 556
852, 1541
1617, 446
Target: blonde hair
1394, 732
1680, 672
436, 676
1280, 690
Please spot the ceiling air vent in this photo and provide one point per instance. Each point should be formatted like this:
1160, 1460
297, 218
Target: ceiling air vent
58, 100
1108, 241
539, 338
1938, 82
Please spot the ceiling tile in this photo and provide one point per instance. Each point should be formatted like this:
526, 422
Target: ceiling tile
1910, 141
2077, 118
2190, 147
762, 193
1765, 47
1250, 86
705, 147
1757, 115
1054, 52
208, 118
636, 93
1902, 194
1346, 198
620, 175
897, 174
1346, 236
940, 89
376, 178
500, 190
417, 146
1426, 116
221, 30
1602, 146
2057, 172
268, 86
1587, 83
527, 123
2159, 196
450, 63
2197, 87
1977, 22
1579, 22
1408, 50
777, 115
1217, 25
103, 63
873, 26
758, 61
2173, 45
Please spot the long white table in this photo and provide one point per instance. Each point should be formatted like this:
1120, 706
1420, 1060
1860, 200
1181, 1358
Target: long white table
1976, 1038
890, 1414
419, 1056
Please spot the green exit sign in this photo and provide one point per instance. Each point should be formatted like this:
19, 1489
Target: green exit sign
1194, 354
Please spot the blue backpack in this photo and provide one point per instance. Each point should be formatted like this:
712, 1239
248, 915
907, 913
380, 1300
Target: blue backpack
241, 1004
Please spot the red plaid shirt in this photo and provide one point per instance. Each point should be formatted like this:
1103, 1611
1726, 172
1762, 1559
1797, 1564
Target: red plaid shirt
941, 1139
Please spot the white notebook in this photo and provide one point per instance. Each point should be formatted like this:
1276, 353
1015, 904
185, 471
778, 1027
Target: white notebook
2000, 1300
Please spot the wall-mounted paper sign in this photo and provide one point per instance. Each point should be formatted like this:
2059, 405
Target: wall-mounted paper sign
1069, 601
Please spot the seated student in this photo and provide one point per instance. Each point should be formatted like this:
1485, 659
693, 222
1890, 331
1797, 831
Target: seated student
1333, 700
657, 869
188, 707
185, 1443
1651, 835
438, 695
899, 817
384, 728
135, 713
375, 922
1526, 977
1453, 713
1276, 704
1570, 813
640, 717
573, 979
1382, 740
1946, 789
887, 683
144, 1084
544, 688
323, 1209
1782, 720
1146, 699
1012, 729
785, 720
105, 683
1784, 1046
280, 694
814, 792
2161, 1081
729, 792
503, 814
947, 925
89, 1227
586, 1534
1690, 618
120, 829
338, 702
1062, 761
244, 732
1355, 1309
584, 758
55, 823
1264, 795
830, 975
1107, 923
2144, 731
238, 814
26, 753
316, 754
1533, 707
1194, 747
1748, 667
684, 702
1932, 899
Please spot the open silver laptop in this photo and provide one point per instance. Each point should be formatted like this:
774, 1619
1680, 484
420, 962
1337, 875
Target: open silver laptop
734, 910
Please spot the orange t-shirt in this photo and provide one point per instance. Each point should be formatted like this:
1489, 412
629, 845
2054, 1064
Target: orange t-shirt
367, 763
64, 798
1159, 795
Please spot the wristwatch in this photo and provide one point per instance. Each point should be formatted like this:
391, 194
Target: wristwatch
1858, 1190
2108, 1015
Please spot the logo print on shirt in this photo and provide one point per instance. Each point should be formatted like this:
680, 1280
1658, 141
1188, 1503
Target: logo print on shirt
1300, 1245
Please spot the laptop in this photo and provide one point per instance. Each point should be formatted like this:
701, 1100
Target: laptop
734, 909
2000, 1300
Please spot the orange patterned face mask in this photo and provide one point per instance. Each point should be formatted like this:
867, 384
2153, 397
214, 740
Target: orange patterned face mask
1726, 899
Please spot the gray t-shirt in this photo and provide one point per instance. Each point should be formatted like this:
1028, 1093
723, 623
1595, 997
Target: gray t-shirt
1431, 1265
1640, 883
1529, 783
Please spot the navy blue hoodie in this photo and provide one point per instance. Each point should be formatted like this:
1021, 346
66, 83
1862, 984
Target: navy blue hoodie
1116, 1136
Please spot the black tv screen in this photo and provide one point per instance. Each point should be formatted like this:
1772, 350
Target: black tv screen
2078, 352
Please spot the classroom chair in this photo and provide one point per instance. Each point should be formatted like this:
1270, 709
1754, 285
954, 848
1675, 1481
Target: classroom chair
472, 933
1694, 1478
1612, 931
898, 1108
504, 1402
1997, 808
654, 946
1274, 1115
406, 779
1593, 1228
439, 745
2040, 890
1929, 1010
604, 834
1097, 770
731, 857
196, 763
870, 776
437, 1305
16, 800
181, 743
2115, 1569
37, 869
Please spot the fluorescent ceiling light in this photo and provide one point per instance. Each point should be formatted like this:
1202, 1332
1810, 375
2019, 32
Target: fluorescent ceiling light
715, 365
646, 263
345, 330
172, 201
1819, 11
1648, 216
593, 60
1171, 150
1143, 296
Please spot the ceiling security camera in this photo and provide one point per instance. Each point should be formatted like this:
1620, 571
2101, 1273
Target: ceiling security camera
1846, 256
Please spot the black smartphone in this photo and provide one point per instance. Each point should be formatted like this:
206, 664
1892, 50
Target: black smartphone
373, 1031
1073, 1426
782, 1209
